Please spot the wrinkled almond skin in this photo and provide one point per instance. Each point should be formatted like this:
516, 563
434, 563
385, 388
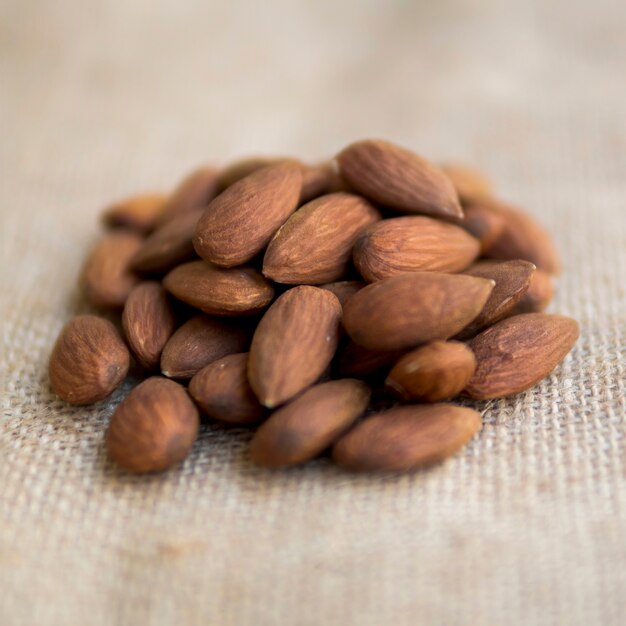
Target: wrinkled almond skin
240, 222
106, 277
315, 244
148, 320
407, 437
538, 295
413, 243
219, 291
398, 178
222, 391
139, 213
518, 352
293, 344
469, 183
409, 309
198, 342
482, 223
354, 360
437, 371
89, 360
512, 280
320, 179
153, 428
344, 289
305, 427
244, 167
168, 246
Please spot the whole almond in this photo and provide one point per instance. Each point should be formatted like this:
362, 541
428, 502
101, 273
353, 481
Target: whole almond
354, 360
198, 342
518, 352
408, 309
240, 222
168, 246
344, 289
482, 223
319, 179
538, 295
139, 213
106, 277
512, 279
153, 428
470, 184
398, 178
305, 427
89, 360
408, 244
407, 437
293, 344
437, 371
218, 291
244, 167
149, 321
222, 391
315, 244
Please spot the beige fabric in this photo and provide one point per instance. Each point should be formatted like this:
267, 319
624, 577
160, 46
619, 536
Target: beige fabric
526, 526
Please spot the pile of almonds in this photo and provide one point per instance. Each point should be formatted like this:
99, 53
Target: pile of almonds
336, 306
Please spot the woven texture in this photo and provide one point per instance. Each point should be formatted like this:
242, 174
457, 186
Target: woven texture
525, 526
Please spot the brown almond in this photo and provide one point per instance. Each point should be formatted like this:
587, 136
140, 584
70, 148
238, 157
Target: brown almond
219, 291
315, 244
240, 222
153, 428
106, 277
518, 352
470, 184
149, 321
408, 309
222, 391
407, 437
293, 343
512, 279
139, 213
244, 167
89, 360
413, 243
398, 178
482, 223
344, 289
320, 179
198, 342
437, 371
168, 246
354, 360
538, 295
305, 427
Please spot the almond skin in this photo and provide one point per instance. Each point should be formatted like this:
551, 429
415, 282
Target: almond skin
219, 291
153, 428
413, 243
354, 360
315, 244
482, 223
222, 391
320, 179
406, 438
139, 213
437, 371
244, 167
148, 321
240, 222
198, 342
408, 309
106, 277
538, 295
89, 360
512, 279
469, 183
305, 427
344, 289
293, 344
398, 178
518, 352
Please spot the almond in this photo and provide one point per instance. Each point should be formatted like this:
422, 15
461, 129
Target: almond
344, 289
148, 320
139, 213
89, 360
408, 309
469, 183
407, 437
398, 178
106, 277
354, 360
437, 371
222, 391
408, 244
198, 342
240, 222
244, 167
305, 427
482, 223
293, 343
218, 291
153, 428
317, 180
315, 244
538, 295
518, 352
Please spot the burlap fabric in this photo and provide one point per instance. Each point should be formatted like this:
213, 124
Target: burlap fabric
525, 526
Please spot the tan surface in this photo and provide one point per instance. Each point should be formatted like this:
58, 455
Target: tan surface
526, 526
